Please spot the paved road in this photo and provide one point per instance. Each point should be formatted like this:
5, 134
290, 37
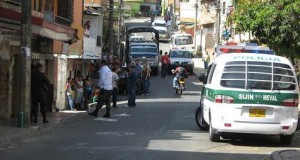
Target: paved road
162, 126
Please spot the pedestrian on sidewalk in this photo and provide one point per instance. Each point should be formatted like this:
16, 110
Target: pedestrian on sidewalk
132, 78
79, 92
115, 81
146, 78
68, 91
40, 87
105, 85
88, 87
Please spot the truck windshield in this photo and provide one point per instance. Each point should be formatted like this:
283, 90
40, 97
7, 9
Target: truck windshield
258, 75
143, 49
180, 54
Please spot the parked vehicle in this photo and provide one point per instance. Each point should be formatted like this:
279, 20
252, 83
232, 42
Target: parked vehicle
249, 93
182, 41
161, 27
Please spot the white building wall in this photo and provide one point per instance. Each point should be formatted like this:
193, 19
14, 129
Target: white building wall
96, 29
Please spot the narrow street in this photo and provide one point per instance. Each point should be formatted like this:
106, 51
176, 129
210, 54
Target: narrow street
162, 126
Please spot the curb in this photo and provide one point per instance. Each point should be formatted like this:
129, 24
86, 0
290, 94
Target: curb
285, 155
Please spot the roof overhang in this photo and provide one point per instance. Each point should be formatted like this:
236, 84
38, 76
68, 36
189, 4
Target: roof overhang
11, 19
204, 18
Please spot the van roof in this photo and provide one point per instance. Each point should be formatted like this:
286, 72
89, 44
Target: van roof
223, 58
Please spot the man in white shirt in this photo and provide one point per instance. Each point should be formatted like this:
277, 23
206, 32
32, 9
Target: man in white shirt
105, 85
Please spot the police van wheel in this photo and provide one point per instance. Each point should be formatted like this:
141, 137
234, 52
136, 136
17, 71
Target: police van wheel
200, 120
213, 134
286, 139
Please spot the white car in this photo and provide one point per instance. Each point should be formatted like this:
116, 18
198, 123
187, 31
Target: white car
159, 23
182, 41
160, 26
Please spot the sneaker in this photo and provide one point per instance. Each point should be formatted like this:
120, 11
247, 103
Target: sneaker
106, 115
114, 106
93, 114
147, 94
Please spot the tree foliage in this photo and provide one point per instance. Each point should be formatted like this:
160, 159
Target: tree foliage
273, 22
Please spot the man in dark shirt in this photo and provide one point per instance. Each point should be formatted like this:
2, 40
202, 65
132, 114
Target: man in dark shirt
39, 88
132, 78
165, 61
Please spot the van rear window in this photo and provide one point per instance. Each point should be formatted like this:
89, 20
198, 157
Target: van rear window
183, 40
258, 75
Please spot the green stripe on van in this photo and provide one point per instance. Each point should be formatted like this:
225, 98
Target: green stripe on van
249, 97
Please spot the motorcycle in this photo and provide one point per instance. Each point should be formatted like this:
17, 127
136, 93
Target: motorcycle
180, 85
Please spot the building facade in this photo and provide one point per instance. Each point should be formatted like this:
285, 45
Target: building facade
56, 29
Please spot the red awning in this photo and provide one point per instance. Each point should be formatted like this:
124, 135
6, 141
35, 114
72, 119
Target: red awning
12, 19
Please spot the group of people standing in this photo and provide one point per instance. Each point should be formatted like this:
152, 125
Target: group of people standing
75, 88
107, 88
108, 82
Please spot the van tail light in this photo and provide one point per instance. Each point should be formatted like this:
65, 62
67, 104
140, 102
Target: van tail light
292, 102
223, 99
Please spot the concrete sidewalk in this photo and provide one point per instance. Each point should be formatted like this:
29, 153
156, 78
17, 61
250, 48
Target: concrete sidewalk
10, 133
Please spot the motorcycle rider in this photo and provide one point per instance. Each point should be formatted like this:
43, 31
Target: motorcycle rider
179, 71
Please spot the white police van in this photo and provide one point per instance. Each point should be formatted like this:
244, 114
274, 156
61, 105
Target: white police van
244, 92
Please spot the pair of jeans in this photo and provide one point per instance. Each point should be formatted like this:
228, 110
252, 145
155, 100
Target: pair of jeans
131, 97
114, 96
164, 70
174, 82
146, 85
71, 103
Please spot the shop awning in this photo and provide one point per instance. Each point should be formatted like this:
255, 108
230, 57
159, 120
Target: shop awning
204, 18
12, 19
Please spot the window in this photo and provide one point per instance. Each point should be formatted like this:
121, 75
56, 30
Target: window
64, 12
223, 7
210, 73
99, 41
37, 5
143, 49
258, 75
180, 54
183, 40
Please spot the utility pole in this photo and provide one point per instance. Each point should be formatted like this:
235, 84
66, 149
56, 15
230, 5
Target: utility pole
25, 66
195, 26
218, 21
120, 18
111, 29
